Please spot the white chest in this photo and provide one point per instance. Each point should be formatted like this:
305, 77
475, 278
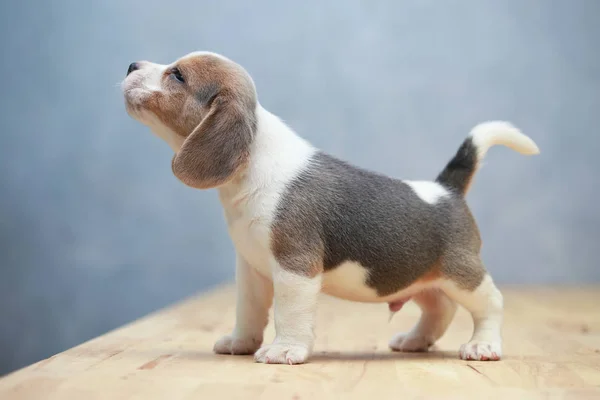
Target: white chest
277, 157
249, 228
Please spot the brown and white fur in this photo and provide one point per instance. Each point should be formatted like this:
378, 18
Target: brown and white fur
303, 221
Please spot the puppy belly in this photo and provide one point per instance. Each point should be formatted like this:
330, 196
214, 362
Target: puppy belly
348, 282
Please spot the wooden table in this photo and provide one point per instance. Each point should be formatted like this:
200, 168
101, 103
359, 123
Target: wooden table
552, 350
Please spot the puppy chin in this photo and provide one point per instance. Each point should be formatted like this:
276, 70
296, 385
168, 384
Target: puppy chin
132, 109
134, 97
138, 112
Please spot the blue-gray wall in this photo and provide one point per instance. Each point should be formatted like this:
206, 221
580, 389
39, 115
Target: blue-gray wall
95, 230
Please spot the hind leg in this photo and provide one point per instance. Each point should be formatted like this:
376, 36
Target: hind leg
437, 313
485, 303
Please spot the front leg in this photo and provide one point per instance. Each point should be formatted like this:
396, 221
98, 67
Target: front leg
295, 306
254, 298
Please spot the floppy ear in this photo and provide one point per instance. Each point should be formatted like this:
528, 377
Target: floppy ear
218, 147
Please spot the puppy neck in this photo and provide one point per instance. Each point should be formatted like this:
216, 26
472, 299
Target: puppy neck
277, 155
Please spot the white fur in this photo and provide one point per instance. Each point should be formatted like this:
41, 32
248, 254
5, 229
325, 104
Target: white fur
136, 88
250, 200
194, 54
485, 305
348, 281
491, 133
277, 157
429, 191
294, 318
254, 298
140, 84
437, 313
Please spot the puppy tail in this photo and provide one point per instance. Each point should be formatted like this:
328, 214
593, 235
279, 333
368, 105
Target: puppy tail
459, 172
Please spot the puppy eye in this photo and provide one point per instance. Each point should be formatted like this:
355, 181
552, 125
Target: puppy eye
176, 73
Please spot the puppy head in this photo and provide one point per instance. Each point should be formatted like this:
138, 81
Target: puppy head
204, 106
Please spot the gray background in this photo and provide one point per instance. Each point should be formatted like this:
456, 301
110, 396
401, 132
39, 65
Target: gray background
95, 231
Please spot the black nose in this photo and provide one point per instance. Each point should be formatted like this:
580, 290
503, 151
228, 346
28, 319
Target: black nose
133, 67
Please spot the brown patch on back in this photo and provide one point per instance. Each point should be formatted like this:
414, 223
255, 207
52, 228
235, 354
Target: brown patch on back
341, 213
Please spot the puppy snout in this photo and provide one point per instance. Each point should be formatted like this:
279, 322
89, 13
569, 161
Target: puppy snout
133, 67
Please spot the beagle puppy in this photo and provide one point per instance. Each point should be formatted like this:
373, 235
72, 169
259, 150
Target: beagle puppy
303, 221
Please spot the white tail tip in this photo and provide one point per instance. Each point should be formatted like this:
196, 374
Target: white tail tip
491, 133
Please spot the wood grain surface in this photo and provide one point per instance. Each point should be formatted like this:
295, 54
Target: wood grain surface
551, 351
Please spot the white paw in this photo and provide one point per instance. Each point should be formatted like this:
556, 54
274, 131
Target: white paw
481, 351
235, 346
410, 342
282, 353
